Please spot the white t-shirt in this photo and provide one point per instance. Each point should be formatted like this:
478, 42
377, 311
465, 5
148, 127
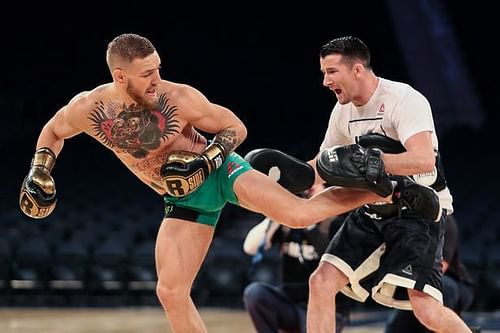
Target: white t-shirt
395, 110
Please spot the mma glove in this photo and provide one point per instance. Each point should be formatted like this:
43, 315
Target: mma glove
38, 191
183, 171
355, 166
410, 200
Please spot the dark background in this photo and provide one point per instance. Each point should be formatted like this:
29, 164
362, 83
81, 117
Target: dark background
263, 64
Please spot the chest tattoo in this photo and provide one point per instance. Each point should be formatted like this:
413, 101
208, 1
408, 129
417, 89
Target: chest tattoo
134, 129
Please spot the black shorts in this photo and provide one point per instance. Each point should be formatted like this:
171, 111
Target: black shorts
387, 256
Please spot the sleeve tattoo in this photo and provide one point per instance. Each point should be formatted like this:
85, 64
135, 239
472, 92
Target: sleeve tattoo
228, 138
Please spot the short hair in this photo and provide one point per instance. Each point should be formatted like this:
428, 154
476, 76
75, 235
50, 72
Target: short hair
127, 47
349, 47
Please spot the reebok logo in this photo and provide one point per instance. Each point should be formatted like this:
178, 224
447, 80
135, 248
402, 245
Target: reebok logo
408, 270
381, 110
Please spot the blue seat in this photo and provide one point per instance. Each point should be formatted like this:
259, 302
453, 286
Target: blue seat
68, 270
5, 259
141, 267
107, 266
30, 265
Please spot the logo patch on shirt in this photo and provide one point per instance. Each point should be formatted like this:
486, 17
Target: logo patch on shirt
381, 110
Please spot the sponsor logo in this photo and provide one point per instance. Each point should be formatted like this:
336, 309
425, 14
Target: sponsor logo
233, 167
373, 216
426, 178
332, 156
195, 179
179, 186
168, 209
31, 208
408, 270
381, 110
218, 161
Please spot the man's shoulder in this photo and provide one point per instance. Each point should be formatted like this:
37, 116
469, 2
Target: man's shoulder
183, 96
398, 88
395, 85
85, 99
175, 89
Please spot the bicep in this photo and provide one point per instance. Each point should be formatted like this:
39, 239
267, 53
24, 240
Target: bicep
420, 142
419, 156
214, 118
420, 147
64, 125
209, 117
58, 128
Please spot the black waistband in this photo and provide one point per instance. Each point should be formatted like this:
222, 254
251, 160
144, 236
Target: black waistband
182, 213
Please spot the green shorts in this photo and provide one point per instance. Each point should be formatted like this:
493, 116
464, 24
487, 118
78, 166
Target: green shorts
205, 204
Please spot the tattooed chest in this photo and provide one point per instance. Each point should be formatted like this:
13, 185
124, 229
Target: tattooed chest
134, 129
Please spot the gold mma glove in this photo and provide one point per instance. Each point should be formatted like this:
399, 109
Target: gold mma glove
38, 191
184, 171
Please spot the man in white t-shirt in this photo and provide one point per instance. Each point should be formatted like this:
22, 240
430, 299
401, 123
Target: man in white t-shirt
373, 253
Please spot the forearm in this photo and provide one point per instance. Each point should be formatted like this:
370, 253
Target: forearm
55, 131
347, 199
230, 138
409, 163
49, 139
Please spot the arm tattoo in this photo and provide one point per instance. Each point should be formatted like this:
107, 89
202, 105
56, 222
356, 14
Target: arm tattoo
228, 138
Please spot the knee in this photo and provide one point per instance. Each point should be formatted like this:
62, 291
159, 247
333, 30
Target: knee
169, 296
253, 295
427, 310
325, 280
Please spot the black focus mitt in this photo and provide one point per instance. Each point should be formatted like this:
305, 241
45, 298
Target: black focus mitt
354, 166
293, 174
382, 142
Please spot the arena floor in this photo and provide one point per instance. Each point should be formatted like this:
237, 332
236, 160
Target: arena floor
152, 320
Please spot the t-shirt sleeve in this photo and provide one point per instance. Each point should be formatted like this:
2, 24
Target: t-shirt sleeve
413, 115
333, 135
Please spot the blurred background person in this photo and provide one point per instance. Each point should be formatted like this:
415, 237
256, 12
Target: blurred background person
282, 307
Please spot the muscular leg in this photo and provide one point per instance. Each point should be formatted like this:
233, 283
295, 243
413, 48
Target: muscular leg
258, 192
181, 247
404, 321
434, 315
324, 284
